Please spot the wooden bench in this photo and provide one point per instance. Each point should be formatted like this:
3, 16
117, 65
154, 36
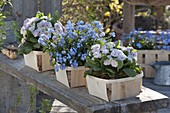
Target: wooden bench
79, 99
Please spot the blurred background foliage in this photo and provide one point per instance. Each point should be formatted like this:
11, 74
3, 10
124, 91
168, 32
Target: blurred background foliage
106, 11
111, 11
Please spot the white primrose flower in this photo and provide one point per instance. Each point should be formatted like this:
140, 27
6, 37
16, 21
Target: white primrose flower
110, 45
28, 24
37, 32
102, 34
121, 56
129, 49
109, 56
44, 24
31, 28
23, 40
115, 52
123, 48
130, 59
25, 22
95, 48
23, 30
104, 50
107, 62
33, 19
45, 17
48, 25
97, 55
114, 63
54, 37
133, 55
59, 28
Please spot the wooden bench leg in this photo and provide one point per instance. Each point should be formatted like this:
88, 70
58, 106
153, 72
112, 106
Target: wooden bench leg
14, 95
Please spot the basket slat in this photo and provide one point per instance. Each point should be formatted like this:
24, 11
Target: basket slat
72, 77
146, 57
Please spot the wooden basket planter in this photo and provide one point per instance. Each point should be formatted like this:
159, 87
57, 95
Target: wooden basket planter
146, 57
72, 77
149, 2
38, 60
114, 89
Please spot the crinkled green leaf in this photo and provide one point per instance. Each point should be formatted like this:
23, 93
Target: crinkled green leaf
120, 65
130, 72
33, 39
37, 46
88, 72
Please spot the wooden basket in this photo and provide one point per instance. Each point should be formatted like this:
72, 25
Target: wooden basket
146, 57
114, 89
149, 2
72, 77
38, 60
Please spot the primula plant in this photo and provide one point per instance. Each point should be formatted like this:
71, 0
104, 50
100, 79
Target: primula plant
107, 60
148, 40
31, 30
69, 46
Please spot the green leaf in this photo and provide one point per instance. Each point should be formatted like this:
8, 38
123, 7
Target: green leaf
120, 65
36, 46
39, 14
55, 17
49, 15
102, 43
111, 71
95, 68
138, 69
27, 50
88, 60
134, 50
130, 72
111, 75
33, 39
10, 3
118, 44
88, 72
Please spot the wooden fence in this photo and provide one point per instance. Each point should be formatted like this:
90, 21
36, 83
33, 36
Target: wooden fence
23, 9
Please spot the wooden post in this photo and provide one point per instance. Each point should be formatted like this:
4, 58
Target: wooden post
128, 19
50, 6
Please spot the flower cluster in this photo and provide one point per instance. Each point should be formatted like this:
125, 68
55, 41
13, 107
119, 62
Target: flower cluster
69, 45
109, 60
31, 30
148, 40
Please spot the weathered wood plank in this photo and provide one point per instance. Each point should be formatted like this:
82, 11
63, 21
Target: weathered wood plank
23, 9
50, 6
11, 89
78, 98
129, 17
